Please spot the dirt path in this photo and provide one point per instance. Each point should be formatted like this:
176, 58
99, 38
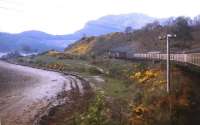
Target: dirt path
25, 91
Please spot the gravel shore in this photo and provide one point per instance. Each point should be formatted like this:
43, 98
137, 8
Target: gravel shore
24, 91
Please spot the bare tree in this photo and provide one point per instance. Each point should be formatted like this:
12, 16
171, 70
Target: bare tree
128, 29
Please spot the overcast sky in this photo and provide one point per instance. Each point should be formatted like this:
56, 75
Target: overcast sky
68, 16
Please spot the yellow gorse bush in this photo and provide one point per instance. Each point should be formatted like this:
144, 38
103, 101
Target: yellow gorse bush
141, 77
139, 114
53, 53
57, 66
140, 110
81, 49
137, 75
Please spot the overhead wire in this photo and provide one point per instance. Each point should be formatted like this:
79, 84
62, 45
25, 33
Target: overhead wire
7, 5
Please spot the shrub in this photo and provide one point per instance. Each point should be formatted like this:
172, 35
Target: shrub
96, 114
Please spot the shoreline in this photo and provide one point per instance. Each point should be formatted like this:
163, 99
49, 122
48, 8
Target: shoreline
34, 96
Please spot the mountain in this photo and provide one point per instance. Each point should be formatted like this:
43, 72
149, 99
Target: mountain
34, 41
115, 23
40, 41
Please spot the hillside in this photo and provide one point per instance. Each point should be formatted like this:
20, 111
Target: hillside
142, 40
100, 45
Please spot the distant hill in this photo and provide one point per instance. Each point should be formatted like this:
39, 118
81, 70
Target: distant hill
34, 41
40, 41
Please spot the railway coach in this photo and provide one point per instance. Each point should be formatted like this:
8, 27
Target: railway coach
183, 57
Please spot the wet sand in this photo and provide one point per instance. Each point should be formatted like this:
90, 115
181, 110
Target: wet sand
25, 91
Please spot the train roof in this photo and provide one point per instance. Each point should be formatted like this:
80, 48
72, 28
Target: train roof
123, 49
154, 52
196, 50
